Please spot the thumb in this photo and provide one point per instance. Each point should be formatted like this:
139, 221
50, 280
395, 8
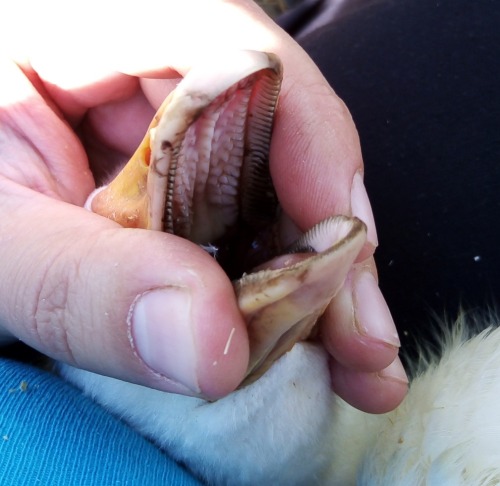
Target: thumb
137, 305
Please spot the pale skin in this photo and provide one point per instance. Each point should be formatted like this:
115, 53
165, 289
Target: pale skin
70, 278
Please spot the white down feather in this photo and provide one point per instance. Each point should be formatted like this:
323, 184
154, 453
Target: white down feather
290, 428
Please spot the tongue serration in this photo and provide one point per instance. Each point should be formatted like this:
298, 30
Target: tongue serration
281, 306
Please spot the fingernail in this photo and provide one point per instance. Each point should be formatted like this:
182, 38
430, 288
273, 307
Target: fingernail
395, 372
372, 316
162, 334
361, 208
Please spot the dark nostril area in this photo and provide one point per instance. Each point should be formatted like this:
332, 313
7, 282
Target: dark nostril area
166, 145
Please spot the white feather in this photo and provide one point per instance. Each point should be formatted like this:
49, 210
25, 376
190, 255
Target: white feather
290, 428
272, 432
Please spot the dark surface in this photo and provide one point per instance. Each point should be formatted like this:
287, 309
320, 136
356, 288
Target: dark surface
421, 79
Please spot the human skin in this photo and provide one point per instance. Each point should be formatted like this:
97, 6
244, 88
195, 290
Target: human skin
78, 91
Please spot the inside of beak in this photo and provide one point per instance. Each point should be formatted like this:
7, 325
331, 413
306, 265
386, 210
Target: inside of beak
202, 173
202, 169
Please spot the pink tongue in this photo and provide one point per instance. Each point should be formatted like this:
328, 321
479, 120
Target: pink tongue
283, 261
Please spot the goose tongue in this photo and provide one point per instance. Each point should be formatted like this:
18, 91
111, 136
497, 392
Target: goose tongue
201, 172
282, 304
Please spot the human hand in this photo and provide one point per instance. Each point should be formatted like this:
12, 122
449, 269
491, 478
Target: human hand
72, 279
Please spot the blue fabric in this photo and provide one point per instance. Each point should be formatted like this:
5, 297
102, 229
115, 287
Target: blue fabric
50, 434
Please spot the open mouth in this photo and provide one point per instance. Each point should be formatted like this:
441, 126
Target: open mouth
202, 173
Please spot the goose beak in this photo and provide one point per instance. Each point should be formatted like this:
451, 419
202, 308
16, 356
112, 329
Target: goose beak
202, 172
202, 165
125, 199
